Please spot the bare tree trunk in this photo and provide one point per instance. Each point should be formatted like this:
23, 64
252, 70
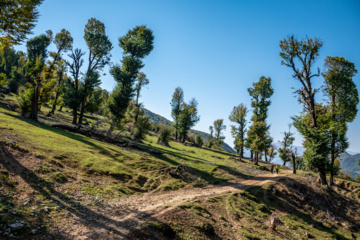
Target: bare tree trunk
256, 162
74, 115
265, 156
60, 109
251, 155
293, 162
82, 110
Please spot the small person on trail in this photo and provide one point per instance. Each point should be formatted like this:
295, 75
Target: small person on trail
277, 169
272, 168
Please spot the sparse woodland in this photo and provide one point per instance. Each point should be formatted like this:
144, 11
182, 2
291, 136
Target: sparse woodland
59, 93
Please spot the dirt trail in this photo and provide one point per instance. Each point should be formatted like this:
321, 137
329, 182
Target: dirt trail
115, 220
131, 212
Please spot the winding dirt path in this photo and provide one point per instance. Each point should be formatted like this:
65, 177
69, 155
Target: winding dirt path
128, 214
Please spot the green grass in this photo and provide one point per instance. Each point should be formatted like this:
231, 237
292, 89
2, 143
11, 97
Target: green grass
86, 156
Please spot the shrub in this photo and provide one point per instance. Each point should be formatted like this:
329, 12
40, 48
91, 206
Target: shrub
191, 138
141, 128
24, 100
164, 135
3, 79
199, 141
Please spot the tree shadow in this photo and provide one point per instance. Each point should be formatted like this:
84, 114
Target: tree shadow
301, 195
86, 216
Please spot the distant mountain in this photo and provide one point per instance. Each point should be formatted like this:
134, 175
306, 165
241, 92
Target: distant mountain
349, 164
157, 119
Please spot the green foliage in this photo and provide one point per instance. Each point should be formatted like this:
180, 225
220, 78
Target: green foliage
260, 95
316, 139
272, 152
343, 98
199, 141
238, 115
136, 44
142, 127
18, 18
24, 100
286, 149
188, 117
164, 135
218, 128
176, 102
3, 79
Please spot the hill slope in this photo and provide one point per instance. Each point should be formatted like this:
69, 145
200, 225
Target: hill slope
157, 119
350, 164
75, 184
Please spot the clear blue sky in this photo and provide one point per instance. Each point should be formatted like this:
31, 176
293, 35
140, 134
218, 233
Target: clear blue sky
215, 50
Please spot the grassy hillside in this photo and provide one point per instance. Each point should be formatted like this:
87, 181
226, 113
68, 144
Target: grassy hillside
57, 184
157, 119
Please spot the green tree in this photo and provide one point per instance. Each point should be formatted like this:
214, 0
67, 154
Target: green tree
99, 56
343, 98
176, 103
17, 19
304, 53
61, 68
238, 115
73, 95
272, 152
37, 54
142, 127
218, 128
136, 44
188, 118
317, 140
141, 82
199, 141
286, 149
260, 95
211, 139
258, 134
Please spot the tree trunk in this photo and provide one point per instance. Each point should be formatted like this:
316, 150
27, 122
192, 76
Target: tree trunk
60, 109
75, 115
82, 110
242, 151
293, 162
251, 155
54, 105
265, 156
321, 177
35, 102
256, 162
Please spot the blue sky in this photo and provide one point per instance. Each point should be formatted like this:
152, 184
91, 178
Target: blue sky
215, 50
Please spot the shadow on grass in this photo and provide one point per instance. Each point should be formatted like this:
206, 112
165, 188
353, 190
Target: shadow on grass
87, 217
303, 195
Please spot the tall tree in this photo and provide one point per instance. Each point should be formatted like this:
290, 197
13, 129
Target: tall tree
136, 44
60, 76
99, 56
188, 118
37, 54
17, 19
176, 103
74, 97
142, 81
286, 149
218, 128
343, 98
304, 53
260, 95
238, 115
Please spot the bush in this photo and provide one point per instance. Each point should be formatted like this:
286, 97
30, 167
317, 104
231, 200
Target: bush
191, 138
164, 135
199, 141
141, 128
3, 79
24, 100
